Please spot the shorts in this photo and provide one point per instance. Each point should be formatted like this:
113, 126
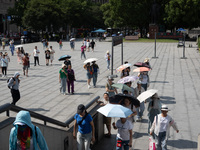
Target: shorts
89, 76
48, 57
107, 120
25, 67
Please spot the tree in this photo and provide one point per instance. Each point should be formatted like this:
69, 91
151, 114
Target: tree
17, 12
41, 14
183, 13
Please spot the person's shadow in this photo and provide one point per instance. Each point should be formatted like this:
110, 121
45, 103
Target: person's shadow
182, 144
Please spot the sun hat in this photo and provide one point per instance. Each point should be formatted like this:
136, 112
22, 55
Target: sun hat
63, 65
110, 78
164, 108
80, 108
146, 60
107, 52
155, 96
139, 82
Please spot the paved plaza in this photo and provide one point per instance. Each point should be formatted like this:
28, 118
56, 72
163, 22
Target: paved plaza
177, 81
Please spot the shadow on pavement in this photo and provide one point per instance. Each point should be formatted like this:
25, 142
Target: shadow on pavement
159, 82
37, 109
137, 135
101, 86
182, 144
167, 97
82, 93
81, 80
168, 102
36, 76
3, 79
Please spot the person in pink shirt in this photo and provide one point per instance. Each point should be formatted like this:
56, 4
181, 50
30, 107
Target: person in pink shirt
83, 51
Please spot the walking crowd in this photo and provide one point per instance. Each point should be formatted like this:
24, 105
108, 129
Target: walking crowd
159, 121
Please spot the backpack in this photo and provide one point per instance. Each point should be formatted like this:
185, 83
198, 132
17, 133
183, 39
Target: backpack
9, 80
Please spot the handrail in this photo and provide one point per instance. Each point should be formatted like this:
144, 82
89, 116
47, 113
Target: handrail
7, 107
70, 120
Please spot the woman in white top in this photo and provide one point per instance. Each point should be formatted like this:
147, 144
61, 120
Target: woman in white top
161, 126
51, 54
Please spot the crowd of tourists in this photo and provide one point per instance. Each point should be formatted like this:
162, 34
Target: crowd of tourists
159, 121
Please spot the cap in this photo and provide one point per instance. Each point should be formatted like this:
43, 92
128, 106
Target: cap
80, 108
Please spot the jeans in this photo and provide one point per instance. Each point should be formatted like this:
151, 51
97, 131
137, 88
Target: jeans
144, 86
161, 141
83, 54
72, 86
108, 64
94, 78
15, 96
140, 110
36, 59
12, 50
63, 85
83, 139
124, 145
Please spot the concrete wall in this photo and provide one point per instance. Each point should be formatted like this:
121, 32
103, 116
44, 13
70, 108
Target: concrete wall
56, 138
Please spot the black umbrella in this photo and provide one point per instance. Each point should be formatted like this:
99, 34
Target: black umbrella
64, 57
119, 99
141, 64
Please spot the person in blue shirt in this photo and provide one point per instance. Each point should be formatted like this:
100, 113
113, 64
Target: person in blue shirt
24, 135
85, 125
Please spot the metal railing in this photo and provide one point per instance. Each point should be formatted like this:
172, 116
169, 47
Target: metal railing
10, 107
70, 120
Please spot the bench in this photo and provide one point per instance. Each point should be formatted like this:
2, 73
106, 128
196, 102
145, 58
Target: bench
132, 37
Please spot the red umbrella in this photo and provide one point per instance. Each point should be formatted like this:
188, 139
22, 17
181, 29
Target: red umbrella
141, 69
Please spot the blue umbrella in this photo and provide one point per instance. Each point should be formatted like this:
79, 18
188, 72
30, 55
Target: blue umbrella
64, 57
181, 29
115, 110
99, 30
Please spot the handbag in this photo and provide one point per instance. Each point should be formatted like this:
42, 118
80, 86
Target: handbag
152, 144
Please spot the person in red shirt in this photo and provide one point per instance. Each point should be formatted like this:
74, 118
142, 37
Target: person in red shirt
25, 61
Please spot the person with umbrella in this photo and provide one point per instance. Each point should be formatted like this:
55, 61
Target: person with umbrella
140, 110
67, 62
89, 73
124, 134
85, 125
125, 72
63, 77
161, 128
109, 88
72, 43
96, 69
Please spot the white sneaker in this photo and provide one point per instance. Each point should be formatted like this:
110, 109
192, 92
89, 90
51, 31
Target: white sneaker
64, 93
89, 86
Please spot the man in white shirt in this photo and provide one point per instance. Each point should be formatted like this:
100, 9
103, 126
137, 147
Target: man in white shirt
36, 56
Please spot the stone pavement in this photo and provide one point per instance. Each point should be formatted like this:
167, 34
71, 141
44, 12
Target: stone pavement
176, 79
